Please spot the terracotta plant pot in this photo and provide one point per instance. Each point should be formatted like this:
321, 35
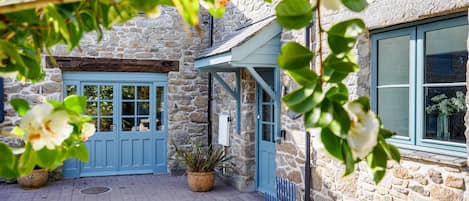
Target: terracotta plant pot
200, 181
37, 179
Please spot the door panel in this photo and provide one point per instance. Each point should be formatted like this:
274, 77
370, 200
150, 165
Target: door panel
266, 136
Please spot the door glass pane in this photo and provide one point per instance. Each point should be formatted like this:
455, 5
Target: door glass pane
106, 92
143, 92
105, 109
265, 97
445, 108
105, 124
393, 108
266, 132
393, 60
143, 108
267, 113
71, 90
128, 124
91, 91
128, 92
143, 124
128, 108
446, 55
92, 108
159, 108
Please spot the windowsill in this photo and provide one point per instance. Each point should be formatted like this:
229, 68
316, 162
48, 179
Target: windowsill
428, 157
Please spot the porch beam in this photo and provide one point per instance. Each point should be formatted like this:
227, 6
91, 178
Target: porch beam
235, 93
262, 82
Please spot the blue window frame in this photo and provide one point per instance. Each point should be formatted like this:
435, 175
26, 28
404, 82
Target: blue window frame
419, 84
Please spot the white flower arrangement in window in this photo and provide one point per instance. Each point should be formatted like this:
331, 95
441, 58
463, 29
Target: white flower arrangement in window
445, 107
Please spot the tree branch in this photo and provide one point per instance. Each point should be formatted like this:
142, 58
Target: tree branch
23, 5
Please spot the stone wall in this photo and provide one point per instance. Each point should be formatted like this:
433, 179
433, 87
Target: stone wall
161, 38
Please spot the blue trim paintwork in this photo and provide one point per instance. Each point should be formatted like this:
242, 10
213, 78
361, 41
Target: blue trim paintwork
416, 80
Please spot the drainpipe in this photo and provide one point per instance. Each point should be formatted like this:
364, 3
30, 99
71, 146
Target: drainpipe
308, 135
209, 101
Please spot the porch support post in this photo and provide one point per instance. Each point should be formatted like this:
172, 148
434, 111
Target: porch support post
235, 93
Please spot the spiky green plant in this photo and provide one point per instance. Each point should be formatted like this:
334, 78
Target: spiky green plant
201, 159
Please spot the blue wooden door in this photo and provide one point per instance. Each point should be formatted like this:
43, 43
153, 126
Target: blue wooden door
266, 136
130, 119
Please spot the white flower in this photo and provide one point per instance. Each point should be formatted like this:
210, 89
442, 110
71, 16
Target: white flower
87, 130
45, 127
331, 4
363, 134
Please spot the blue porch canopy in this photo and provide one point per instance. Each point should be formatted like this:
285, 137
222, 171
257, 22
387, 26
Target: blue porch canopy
252, 47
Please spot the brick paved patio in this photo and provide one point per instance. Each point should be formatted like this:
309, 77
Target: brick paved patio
125, 188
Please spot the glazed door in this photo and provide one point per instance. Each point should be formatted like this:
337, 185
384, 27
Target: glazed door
266, 150
130, 119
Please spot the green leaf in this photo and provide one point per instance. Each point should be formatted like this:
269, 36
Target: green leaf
348, 158
76, 104
343, 36
338, 94
47, 158
312, 117
365, 102
27, 160
8, 172
377, 161
21, 106
385, 133
294, 56
333, 76
80, 152
326, 116
332, 143
7, 158
309, 103
342, 65
294, 14
340, 125
355, 5
395, 154
304, 76
297, 96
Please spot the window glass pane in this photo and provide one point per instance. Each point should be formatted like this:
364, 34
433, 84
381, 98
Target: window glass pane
143, 92
91, 91
393, 61
106, 92
143, 124
393, 108
128, 92
105, 109
159, 108
143, 108
446, 55
71, 90
92, 108
266, 132
128, 124
105, 124
445, 108
128, 108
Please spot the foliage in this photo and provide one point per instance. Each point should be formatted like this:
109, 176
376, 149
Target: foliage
442, 105
201, 159
350, 131
41, 149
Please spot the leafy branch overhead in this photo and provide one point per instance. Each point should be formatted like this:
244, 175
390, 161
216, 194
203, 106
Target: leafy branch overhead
350, 131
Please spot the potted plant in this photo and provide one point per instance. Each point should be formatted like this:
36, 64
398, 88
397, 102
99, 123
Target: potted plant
201, 164
36, 179
444, 107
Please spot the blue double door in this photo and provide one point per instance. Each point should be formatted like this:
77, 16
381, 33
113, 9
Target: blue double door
130, 119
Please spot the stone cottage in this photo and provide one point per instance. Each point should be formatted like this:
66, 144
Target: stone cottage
149, 84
